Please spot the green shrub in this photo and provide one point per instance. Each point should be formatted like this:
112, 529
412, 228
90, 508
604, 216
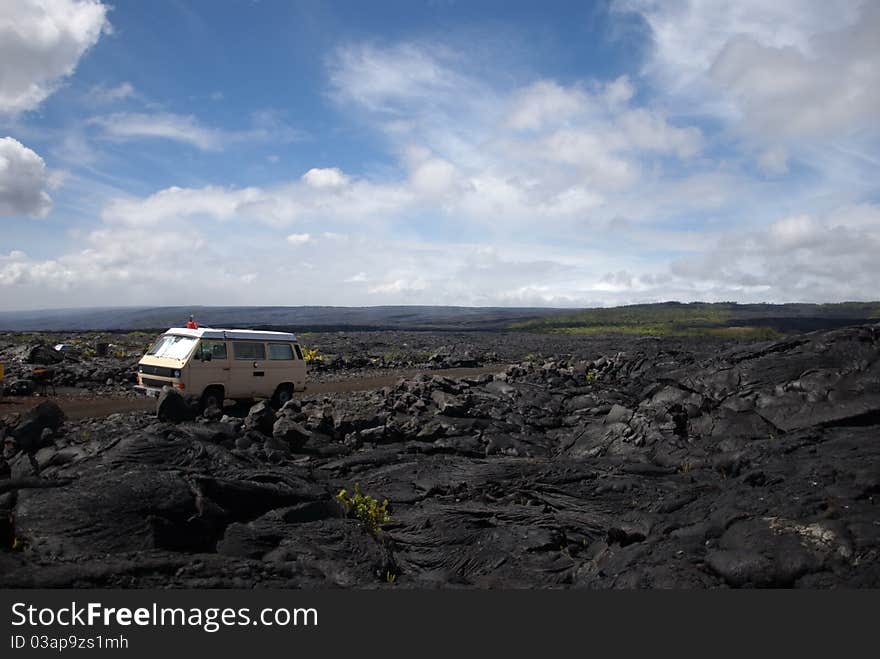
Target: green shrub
311, 355
368, 510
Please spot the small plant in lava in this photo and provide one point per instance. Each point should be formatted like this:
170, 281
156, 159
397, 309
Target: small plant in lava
311, 355
368, 510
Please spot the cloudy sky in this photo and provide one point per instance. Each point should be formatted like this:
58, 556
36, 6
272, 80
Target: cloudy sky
438, 152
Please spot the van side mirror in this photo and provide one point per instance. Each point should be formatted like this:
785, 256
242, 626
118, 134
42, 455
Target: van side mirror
207, 356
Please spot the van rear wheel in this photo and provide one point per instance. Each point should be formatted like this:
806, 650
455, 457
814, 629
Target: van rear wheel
283, 394
213, 397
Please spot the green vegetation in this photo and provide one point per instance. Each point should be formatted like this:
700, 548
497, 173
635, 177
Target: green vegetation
365, 508
656, 329
635, 319
311, 355
722, 319
854, 309
745, 332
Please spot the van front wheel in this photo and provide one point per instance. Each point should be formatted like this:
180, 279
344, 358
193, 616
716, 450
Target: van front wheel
283, 394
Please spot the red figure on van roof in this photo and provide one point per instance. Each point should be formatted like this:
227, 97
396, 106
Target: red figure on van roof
192, 324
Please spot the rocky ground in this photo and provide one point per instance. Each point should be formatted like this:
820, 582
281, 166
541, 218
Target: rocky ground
106, 364
79, 364
607, 463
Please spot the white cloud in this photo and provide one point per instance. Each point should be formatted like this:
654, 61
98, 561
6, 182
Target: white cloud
616, 281
783, 92
796, 231
505, 157
390, 79
785, 69
175, 203
773, 161
641, 129
399, 286
279, 205
560, 164
103, 95
188, 129
812, 258
324, 178
40, 44
179, 128
433, 178
23, 181
688, 35
796, 258
109, 266
546, 102
619, 91
535, 193
112, 261
591, 153
299, 238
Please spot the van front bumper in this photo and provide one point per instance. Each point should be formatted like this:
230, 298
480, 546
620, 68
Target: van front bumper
148, 391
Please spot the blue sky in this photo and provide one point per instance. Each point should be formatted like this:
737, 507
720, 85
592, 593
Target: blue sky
441, 152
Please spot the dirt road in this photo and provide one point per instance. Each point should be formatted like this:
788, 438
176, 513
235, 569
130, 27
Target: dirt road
79, 406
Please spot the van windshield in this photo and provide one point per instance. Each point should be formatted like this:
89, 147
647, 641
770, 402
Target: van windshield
173, 347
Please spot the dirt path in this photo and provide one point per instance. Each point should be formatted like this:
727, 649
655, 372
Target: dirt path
87, 406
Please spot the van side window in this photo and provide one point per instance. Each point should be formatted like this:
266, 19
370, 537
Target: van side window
217, 349
280, 351
299, 353
248, 350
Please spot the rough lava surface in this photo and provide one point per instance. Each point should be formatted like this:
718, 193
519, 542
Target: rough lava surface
658, 466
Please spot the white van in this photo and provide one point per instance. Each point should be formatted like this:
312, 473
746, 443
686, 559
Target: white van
216, 364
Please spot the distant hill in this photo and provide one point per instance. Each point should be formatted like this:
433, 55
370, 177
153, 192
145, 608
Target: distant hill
725, 318
297, 318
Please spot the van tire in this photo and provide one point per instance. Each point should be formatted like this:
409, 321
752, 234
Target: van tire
213, 397
283, 394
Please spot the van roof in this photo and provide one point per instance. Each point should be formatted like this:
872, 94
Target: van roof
217, 333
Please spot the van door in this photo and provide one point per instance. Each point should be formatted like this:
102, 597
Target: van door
209, 365
248, 369
281, 365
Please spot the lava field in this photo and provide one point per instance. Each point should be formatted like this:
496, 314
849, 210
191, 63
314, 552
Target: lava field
580, 463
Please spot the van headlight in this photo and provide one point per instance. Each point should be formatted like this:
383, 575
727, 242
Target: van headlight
140, 369
176, 374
